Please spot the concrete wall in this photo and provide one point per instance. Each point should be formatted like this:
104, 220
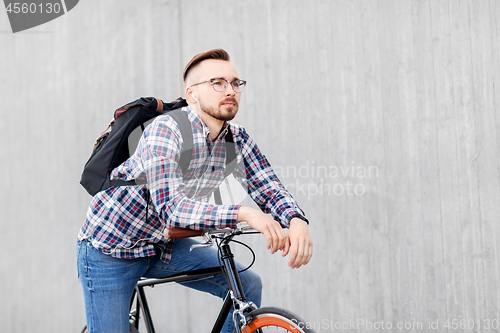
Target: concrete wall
380, 116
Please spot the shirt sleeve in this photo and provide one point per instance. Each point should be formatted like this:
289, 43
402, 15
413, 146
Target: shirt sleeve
255, 174
161, 147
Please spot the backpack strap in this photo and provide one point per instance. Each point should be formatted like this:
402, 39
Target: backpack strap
181, 117
231, 162
231, 159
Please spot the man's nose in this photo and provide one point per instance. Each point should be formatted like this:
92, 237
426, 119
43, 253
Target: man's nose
229, 91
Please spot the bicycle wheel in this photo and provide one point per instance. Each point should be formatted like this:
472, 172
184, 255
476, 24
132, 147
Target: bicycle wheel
270, 319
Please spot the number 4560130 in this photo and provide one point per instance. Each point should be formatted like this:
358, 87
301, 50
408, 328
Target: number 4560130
33, 8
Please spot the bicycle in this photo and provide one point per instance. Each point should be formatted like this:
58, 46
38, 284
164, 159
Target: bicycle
246, 316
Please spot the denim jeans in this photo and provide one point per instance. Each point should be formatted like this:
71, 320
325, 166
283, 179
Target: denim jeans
108, 282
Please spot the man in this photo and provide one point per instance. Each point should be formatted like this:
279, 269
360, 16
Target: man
125, 234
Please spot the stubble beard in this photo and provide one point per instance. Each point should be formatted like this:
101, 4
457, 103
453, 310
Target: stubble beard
217, 113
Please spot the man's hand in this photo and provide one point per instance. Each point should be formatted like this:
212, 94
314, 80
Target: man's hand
297, 243
300, 246
276, 239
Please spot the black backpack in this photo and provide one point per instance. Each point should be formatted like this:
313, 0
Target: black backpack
119, 141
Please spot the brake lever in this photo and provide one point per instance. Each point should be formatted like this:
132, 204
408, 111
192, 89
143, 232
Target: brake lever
208, 243
242, 227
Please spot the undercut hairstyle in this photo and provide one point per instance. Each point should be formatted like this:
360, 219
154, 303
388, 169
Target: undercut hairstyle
217, 54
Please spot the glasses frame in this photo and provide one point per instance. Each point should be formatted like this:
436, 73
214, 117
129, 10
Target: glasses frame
230, 83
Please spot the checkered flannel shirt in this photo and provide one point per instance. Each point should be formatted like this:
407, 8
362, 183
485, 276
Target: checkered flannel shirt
128, 221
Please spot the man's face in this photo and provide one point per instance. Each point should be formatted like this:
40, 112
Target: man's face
219, 105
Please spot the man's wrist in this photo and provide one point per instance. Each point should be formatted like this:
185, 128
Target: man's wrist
243, 213
298, 216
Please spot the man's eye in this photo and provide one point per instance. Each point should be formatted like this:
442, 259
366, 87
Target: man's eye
217, 82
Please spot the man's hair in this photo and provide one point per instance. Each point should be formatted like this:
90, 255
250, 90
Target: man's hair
217, 54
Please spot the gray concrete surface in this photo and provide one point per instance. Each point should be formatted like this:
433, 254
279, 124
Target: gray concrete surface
380, 116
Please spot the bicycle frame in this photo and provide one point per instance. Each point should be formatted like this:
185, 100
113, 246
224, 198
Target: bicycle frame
235, 295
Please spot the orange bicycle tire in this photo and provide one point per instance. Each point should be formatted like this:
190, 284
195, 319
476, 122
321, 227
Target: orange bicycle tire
275, 317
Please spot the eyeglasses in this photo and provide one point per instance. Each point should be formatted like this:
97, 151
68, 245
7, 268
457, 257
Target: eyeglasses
220, 84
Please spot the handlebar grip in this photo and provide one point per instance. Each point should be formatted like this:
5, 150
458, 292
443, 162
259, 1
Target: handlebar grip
183, 233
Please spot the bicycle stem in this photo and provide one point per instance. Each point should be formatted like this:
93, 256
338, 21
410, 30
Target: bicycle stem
231, 272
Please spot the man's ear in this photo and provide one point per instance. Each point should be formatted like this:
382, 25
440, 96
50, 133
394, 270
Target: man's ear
189, 96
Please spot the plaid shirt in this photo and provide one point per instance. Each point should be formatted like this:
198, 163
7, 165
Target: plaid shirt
128, 221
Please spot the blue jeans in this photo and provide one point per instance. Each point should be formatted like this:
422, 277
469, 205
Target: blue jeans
108, 282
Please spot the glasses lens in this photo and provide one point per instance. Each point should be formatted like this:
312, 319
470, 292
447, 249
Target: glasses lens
238, 85
219, 84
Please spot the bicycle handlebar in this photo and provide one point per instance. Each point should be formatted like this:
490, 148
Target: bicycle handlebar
174, 233
184, 233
